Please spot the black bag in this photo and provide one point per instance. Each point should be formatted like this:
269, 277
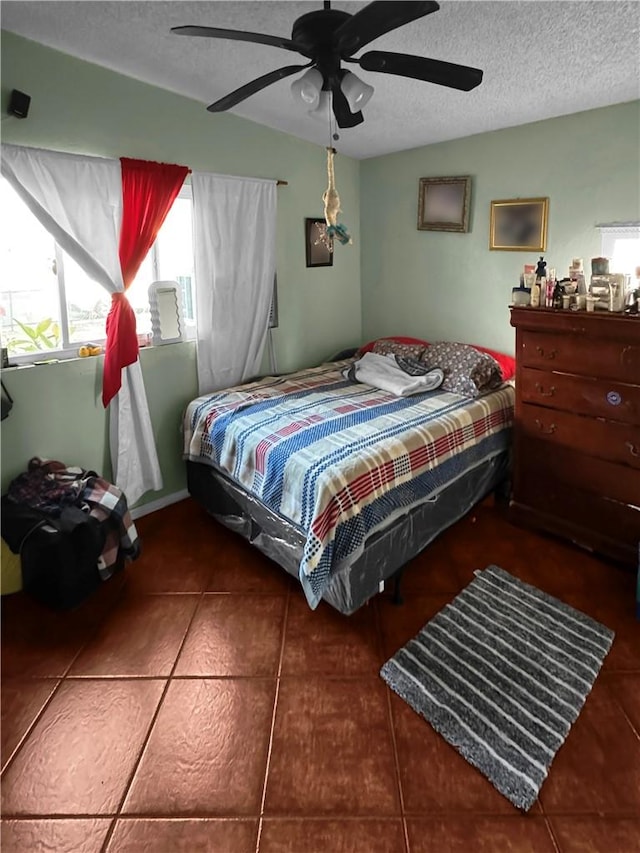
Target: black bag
59, 555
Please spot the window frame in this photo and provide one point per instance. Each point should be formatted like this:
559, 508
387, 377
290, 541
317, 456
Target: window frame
69, 350
610, 232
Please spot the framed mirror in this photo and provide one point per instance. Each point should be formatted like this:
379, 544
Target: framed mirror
167, 320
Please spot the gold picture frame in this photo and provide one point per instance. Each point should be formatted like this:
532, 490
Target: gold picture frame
443, 204
519, 225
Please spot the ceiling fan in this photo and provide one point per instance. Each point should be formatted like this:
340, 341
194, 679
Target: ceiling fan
327, 38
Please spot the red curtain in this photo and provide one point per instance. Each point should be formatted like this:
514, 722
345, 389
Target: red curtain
148, 191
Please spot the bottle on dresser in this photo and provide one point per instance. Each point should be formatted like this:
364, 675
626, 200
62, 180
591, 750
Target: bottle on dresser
558, 293
535, 294
549, 285
576, 273
551, 288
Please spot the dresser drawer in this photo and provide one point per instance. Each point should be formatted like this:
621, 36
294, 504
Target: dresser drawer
595, 437
601, 398
540, 461
588, 519
601, 358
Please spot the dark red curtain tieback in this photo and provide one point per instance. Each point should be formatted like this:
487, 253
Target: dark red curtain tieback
122, 345
148, 191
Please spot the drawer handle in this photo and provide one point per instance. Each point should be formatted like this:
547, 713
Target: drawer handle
633, 450
549, 393
552, 353
548, 430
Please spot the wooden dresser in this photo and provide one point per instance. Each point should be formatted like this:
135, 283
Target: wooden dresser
576, 470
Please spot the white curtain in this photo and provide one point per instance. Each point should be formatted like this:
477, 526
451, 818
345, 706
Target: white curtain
78, 199
235, 261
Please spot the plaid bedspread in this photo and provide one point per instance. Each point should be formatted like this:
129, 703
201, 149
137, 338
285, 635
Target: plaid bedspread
341, 460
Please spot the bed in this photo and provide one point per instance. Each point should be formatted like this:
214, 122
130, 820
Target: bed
339, 482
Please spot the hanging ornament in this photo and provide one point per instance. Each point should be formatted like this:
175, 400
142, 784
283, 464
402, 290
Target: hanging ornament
331, 201
323, 239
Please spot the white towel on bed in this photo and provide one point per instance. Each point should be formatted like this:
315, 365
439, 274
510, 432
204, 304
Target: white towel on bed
382, 371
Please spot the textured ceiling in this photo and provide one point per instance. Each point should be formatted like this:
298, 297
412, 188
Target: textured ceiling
540, 60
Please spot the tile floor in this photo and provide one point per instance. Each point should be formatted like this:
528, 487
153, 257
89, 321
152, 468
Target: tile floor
195, 703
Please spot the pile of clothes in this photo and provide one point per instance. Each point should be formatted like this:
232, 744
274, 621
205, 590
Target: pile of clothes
88, 527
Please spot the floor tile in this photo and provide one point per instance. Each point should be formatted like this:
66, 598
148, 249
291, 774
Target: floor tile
400, 623
332, 752
57, 836
561, 568
40, 642
324, 642
434, 777
234, 635
435, 574
347, 835
177, 546
142, 637
594, 834
207, 752
458, 834
82, 751
171, 523
238, 566
626, 689
184, 836
597, 769
22, 701
174, 566
616, 609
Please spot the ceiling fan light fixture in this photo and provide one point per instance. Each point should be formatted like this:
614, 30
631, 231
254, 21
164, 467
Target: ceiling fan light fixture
356, 91
323, 110
307, 88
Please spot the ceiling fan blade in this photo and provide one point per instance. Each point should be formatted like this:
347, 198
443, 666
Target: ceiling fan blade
375, 20
419, 68
254, 86
344, 116
240, 35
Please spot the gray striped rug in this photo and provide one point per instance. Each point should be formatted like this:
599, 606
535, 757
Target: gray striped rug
502, 672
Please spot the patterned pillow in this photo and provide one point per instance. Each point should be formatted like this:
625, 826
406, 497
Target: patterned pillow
389, 347
401, 340
466, 371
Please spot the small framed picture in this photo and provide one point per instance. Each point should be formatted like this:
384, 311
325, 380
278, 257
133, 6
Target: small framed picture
318, 246
443, 204
519, 225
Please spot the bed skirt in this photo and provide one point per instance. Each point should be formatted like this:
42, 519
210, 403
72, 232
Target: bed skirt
385, 552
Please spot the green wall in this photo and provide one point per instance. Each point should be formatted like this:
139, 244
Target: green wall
76, 106
448, 286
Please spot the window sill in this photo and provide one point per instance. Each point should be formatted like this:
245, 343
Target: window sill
62, 358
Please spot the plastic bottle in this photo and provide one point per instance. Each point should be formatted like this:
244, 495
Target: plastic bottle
558, 292
535, 295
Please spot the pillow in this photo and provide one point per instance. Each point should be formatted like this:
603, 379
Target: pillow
466, 371
507, 362
400, 340
390, 347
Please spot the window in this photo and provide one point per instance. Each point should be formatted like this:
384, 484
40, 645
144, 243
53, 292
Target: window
49, 307
620, 242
